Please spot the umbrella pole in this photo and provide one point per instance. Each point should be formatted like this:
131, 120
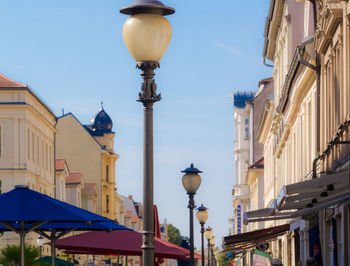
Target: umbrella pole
22, 235
53, 251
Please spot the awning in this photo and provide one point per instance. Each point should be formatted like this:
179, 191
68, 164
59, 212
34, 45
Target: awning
122, 243
253, 238
303, 198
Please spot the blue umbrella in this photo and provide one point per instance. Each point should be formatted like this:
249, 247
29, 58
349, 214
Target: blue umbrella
24, 210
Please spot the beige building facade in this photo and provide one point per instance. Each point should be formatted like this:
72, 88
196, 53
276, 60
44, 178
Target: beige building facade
27, 129
305, 132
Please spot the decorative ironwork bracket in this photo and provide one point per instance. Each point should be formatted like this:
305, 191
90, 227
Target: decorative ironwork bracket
148, 92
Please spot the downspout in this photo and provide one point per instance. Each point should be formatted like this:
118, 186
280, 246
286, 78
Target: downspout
318, 83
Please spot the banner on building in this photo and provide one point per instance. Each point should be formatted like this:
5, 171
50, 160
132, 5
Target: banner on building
260, 258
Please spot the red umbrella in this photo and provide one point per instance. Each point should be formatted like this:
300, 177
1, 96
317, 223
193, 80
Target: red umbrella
121, 242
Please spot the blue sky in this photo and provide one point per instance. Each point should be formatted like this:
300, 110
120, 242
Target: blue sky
71, 53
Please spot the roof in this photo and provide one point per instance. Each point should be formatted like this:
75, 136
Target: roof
6, 82
257, 164
60, 164
129, 206
272, 24
253, 238
101, 123
74, 178
88, 130
89, 188
265, 81
134, 219
128, 213
240, 98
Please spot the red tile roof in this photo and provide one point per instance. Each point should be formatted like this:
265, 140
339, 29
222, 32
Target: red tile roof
60, 163
74, 178
134, 219
128, 214
6, 82
89, 188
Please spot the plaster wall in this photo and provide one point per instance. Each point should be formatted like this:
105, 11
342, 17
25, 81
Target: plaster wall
82, 153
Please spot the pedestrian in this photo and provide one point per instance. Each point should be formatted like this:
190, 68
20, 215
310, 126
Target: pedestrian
311, 262
276, 262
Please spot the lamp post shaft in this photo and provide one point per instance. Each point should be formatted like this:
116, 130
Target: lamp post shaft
148, 96
209, 262
191, 206
148, 219
202, 234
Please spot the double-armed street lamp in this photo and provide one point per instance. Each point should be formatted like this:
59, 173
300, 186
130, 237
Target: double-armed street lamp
208, 235
202, 217
191, 181
147, 35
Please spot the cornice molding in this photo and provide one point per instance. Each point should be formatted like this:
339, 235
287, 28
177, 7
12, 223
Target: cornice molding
330, 15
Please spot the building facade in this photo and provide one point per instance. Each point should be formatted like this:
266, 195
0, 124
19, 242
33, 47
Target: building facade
89, 150
27, 129
305, 132
240, 190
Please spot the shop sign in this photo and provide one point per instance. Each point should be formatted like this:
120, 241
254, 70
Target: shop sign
239, 217
260, 258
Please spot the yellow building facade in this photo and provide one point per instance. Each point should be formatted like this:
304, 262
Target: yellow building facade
89, 150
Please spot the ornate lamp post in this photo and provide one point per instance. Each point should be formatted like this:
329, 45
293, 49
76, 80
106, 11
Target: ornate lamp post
191, 182
147, 35
208, 235
40, 242
202, 217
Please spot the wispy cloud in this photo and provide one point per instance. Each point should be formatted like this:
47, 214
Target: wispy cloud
227, 48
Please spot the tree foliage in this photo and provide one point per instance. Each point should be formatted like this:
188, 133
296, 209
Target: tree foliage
174, 235
11, 255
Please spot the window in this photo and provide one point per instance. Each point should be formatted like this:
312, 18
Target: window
107, 173
246, 129
107, 203
0, 187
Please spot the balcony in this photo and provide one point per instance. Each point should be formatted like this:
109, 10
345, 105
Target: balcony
241, 192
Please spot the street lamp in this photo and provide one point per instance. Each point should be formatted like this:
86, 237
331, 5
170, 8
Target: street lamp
191, 181
202, 217
208, 235
147, 36
40, 242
